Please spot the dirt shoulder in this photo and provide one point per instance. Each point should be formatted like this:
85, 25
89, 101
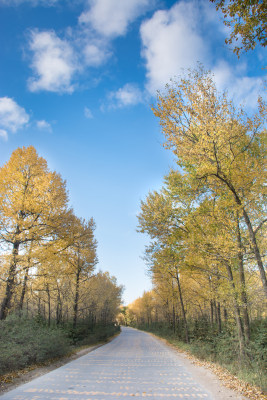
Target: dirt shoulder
13, 380
220, 383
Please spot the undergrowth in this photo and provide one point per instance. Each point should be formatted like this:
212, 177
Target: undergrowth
222, 348
29, 341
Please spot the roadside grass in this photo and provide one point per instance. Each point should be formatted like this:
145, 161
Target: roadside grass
221, 350
25, 342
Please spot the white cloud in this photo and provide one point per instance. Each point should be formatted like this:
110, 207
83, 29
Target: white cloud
54, 63
3, 134
171, 40
88, 113
242, 89
111, 18
178, 38
43, 125
12, 116
95, 53
128, 95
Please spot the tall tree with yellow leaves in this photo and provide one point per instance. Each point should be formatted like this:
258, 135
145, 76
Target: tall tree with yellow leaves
219, 146
33, 204
81, 257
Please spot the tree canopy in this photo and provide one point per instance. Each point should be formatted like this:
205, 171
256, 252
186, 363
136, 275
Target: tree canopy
247, 20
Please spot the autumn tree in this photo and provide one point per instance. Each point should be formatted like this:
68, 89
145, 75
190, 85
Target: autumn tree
80, 256
248, 21
33, 205
220, 147
101, 298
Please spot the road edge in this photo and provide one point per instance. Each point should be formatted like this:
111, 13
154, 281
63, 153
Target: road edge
30, 373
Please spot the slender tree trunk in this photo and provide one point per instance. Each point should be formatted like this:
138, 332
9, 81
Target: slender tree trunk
39, 304
10, 285
173, 309
215, 311
182, 307
211, 312
24, 286
59, 308
49, 304
173, 318
256, 251
219, 318
44, 310
243, 285
76, 299
252, 234
25, 280
237, 314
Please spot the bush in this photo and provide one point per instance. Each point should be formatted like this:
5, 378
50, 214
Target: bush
24, 341
85, 334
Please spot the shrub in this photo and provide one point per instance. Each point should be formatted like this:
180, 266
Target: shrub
24, 341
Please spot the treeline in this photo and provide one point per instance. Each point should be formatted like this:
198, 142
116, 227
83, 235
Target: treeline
48, 254
207, 223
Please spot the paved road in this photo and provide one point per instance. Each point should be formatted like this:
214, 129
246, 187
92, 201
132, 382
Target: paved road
134, 364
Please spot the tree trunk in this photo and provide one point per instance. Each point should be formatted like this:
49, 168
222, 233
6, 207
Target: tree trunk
6, 303
211, 312
243, 285
215, 311
76, 299
25, 280
219, 319
182, 307
237, 314
252, 234
59, 308
23, 292
77, 287
49, 303
173, 318
256, 251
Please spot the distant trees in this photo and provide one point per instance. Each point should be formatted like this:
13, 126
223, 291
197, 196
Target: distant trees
207, 223
48, 255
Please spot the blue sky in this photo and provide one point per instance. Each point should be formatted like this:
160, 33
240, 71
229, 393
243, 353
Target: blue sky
77, 79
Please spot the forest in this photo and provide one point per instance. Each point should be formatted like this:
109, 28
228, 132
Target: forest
52, 298
207, 226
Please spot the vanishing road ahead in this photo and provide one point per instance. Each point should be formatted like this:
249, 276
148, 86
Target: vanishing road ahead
134, 364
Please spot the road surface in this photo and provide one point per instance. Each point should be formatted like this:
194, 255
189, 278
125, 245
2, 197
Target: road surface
134, 364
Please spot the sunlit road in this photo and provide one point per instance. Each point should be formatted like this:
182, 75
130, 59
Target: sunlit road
134, 364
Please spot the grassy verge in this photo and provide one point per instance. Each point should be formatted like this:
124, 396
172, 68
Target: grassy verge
25, 342
222, 350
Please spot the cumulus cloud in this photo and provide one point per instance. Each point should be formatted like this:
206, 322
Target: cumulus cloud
241, 88
88, 113
170, 41
43, 125
54, 63
12, 117
111, 18
95, 52
178, 38
128, 95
